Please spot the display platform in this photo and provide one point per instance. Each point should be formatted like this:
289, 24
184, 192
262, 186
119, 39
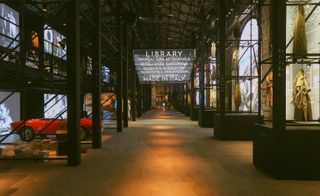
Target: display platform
187, 110
194, 115
292, 155
206, 118
234, 126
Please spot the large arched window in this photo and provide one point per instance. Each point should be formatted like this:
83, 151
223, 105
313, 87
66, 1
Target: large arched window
248, 62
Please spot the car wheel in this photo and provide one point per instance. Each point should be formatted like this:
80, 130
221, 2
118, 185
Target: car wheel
83, 134
26, 134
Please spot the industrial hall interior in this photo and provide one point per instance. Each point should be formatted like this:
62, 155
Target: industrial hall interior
160, 97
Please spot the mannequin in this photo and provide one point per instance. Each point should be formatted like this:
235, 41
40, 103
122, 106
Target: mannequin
269, 93
35, 39
213, 50
235, 68
301, 99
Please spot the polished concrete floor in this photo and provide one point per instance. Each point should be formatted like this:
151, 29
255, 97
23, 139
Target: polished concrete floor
161, 154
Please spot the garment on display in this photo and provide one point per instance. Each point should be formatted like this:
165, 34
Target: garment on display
237, 96
35, 39
213, 49
213, 84
301, 98
300, 46
235, 62
236, 87
236, 27
302, 73
213, 71
269, 90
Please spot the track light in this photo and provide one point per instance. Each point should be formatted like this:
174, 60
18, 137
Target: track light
44, 7
62, 44
159, 3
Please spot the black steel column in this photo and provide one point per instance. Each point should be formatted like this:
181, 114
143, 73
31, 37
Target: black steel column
143, 98
201, 78
133, 98
278, 13
134, 85
125, 75
119, 83
259, 61
22, 57
192, 93
23, 36
139, 99
96, 79
222, 57
73, 83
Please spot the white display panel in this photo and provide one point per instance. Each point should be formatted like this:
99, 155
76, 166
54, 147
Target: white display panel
89, 65
9, 110
105, 71
55, 106
248, 54
54, 43
9, 27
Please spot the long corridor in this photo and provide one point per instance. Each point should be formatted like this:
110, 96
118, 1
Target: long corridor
161, 154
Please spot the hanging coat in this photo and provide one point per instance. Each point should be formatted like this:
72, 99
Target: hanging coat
300, 46
237, 96
235, 68
236, 27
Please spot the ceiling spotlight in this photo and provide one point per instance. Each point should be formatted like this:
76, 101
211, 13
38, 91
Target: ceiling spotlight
308, 65
159, 3
44, 7
62, 44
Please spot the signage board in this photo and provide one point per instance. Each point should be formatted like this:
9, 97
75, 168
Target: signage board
164, 65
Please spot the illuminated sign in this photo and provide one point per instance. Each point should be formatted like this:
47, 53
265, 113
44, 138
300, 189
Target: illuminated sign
164, 65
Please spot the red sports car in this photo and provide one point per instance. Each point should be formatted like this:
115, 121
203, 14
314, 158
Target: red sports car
46, 126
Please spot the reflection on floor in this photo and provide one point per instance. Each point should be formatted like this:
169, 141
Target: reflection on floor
161, 154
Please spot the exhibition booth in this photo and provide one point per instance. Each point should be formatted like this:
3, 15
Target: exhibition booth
34, 104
